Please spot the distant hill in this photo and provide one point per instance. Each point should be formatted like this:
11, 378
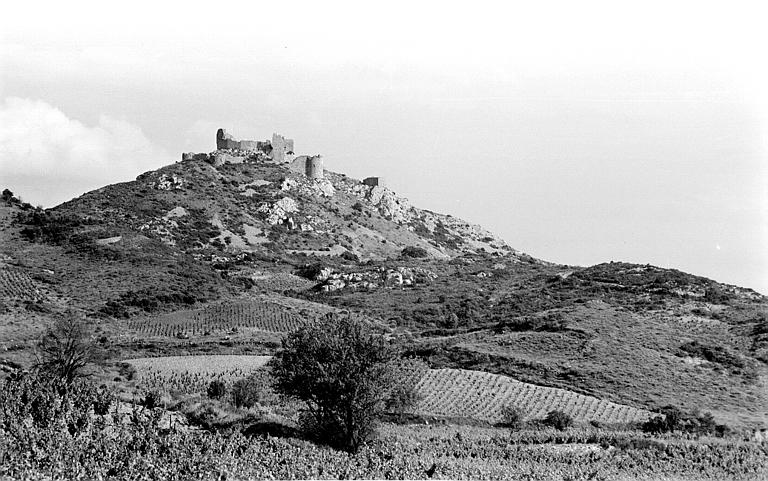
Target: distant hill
170, 264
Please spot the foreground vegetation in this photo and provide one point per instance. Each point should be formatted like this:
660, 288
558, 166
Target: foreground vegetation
56, 424
84, 436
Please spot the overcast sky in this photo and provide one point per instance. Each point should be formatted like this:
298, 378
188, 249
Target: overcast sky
581, 132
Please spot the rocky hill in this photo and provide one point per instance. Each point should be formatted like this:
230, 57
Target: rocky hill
203, 241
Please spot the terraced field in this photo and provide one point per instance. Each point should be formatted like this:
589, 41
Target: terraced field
17, 284
218, 318
478, 395
193, 374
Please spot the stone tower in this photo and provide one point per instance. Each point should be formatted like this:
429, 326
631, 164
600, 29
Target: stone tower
313, 167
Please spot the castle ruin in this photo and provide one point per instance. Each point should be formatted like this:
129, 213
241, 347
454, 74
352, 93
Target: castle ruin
279, 149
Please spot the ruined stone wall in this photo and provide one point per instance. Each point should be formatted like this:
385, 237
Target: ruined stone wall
220, 158
314, 167
299, 164
225, 140
282, 148
248, 145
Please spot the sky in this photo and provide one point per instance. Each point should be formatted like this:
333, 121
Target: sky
580, 132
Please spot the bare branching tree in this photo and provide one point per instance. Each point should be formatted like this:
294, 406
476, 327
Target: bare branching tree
66, 348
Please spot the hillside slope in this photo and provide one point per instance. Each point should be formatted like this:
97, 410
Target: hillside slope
193, 258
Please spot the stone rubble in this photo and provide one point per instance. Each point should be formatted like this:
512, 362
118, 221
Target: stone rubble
331, 280
389, 205
321, 187
168, 182
278, 212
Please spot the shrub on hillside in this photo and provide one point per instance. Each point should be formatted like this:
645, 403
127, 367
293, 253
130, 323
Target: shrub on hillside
350, 256
44, 226
715, 295
310, 271
102, 400
256, 388
152, 299
245, 393
551, 322
761, 324
401, 400
672, 418
9, 199
216, 389
414, 251
558, 420
152, 399
343, 371
513, 417
716, 354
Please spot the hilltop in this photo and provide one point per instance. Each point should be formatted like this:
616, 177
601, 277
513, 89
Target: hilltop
162, 265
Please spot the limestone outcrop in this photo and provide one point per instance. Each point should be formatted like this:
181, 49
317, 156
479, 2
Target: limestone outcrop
373, 279
279, 212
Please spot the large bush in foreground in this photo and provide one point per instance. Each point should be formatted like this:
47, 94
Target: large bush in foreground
344, 372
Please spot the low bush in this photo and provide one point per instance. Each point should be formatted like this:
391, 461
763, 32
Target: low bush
558, 420
716, 354
310, 271
716, 295
350, 256
401, 400
256, 388
414, 251
671, 418
152, 399
513, 417
552, 322
216, 389
44, 226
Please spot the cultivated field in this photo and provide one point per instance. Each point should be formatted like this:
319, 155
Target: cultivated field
453, 393
218, 318
478, 395
193, 374
17, 284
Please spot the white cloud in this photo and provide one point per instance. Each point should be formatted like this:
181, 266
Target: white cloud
47, 157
